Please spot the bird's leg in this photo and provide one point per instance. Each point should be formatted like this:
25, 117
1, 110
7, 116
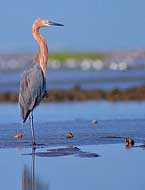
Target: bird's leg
32, 128
22, 127
33, 168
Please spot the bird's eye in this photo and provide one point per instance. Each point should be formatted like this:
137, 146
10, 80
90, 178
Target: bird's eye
45, 21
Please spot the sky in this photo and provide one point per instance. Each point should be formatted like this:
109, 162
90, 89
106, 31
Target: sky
89, 25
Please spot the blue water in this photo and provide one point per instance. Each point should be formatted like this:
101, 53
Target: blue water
66, 79
87, 161
115, 167
72, 111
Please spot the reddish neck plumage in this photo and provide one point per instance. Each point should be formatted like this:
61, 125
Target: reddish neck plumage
42, 56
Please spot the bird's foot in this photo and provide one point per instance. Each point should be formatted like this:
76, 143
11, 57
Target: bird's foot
34, 145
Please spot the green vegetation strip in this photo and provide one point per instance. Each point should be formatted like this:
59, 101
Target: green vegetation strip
76, 56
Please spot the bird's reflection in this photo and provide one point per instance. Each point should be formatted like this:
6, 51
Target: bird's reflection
29, 180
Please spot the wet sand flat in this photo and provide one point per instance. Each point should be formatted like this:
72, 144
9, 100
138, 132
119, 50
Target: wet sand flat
53, 121
84, 133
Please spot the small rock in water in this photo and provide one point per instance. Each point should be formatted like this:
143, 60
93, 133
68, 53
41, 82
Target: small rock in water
130, 141
19, 136
69, 135
94, 121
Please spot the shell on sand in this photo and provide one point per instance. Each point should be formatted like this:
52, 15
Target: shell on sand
69, 135
19, 136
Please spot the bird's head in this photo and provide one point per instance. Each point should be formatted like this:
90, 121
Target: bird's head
40, 22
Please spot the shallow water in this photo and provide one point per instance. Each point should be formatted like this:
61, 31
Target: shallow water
115, 167
53, 121
90, 160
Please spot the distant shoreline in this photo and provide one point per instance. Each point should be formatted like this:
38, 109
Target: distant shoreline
78, 94
114, 60
63, 56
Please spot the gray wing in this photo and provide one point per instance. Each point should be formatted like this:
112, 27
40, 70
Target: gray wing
32, 89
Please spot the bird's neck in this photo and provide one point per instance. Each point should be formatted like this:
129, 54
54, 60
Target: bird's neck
42, 56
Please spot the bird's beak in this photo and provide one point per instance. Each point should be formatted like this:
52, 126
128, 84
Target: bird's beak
54, 24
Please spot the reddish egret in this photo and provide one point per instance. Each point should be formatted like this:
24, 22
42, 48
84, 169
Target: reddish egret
33, 82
